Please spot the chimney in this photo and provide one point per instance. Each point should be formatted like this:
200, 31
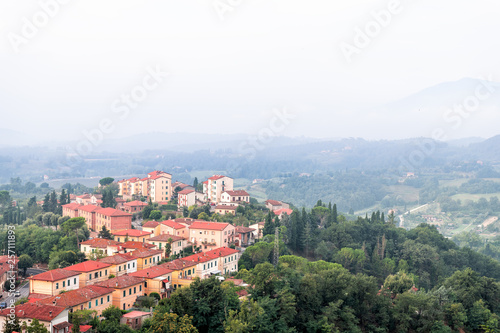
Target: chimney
116, 284
147, 274
50, 313
54, 302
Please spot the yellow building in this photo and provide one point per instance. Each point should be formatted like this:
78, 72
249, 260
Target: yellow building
153, 227
126, 289
87, 298
184, 271
147, 258
55, 281
157, 280
91, 272
120, 264
177, 243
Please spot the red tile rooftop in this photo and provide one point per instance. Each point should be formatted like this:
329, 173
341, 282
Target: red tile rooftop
179, 264
120, 282
152, 272
238, 193
73, 205
273, 202
172, 224
227, 207
35, 311
131, 233
216, 177
100, 243
243, 230
54, 275
151, 224
76, 297
283, 210
186, 191
208, 225
144, 253
136, 314
117, 259
137, 245
112, 212
87, 266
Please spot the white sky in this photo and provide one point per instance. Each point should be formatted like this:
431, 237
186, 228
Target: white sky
264, 54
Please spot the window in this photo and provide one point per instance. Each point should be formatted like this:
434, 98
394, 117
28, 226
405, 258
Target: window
105, 272
57, 285
96, 302
130, 291
119, 268
74, 281
213, 232
90, 276
145, 284
135, 290
124, 293
133, 265
140, 287
102, 300
90, 305
69, 281
64, 284
128, 266
204, 267
108, 298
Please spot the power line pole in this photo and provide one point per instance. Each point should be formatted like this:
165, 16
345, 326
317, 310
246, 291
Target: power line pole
276, 246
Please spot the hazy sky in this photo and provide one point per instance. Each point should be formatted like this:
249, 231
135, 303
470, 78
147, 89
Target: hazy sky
231, 62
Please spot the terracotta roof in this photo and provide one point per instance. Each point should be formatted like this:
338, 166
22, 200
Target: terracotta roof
274, 202
226, 207
243, 230
216, 177
112, 212
87, 266
45, 313
165, 237
100, 243
222, 252
54, 275
84, 196
179, 264
151, 224
117, 259
137, 245
73, 206
83, 328
89, 208
201, 257
242, 292
208, 225
152, 272
205, 182
135, 203
186, 191
237, 282
131, 233
77, 296
120, 282
136, 314
283, 210
144, 253
133, 179
238, 193
33, 297
172, 224
62, 325
119, 200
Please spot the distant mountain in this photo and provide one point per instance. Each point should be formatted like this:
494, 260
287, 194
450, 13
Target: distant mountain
488, 150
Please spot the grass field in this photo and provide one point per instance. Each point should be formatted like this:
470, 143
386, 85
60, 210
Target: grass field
452, 183
407, 193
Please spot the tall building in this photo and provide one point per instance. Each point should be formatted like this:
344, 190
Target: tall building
215, 186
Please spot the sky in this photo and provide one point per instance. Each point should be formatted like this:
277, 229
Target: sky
72, 69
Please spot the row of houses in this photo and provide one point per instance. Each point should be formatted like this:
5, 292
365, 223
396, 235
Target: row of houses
157, 186
96, 217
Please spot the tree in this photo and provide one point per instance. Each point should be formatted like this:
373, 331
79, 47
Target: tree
398, 283
74, 224
53, 202
106, 181
12, 324
268, 225
156, 215
168, 247
203, 216
25, 262
46, 203
105, 233
172, 323
112, 314
108, 198
35, 327
195, 183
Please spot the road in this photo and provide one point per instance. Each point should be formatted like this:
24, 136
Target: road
402, 219
25, 290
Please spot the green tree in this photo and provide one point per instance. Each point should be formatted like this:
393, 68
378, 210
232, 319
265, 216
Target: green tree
108, 198
12, 325
25, 262
156, 215
35, 327
399, 283
105, 233
172, 323
168, 247
106, 181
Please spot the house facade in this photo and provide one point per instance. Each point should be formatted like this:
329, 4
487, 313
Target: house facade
91, 272
126, 289
54, 282
215, 186
210, 235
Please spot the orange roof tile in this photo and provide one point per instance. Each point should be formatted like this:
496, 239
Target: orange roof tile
152, 272
87, 266
77, 296
208, 225
45, 313
54, 275
172, 224
120, 282
144, 253
100, 243
131, 233
117, 259
165, 238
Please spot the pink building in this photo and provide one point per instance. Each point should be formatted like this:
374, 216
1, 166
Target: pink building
134, 206
70, 210
215, 186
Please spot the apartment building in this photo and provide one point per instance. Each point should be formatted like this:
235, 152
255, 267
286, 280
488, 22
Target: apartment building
121, 264
70, 209
54, 282
100, 246
211, 235
189, 197
183, 272
177, 243
215, 186
235, 197
157, 280
173, 228
134, 206
126, 289
113, 219
147, 258
86, 298
132, 235
90, 272
156, 186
